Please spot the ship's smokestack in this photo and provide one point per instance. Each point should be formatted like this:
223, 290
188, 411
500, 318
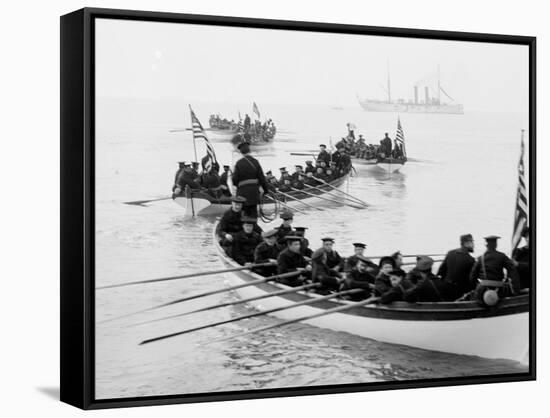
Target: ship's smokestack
415, 94
427, 94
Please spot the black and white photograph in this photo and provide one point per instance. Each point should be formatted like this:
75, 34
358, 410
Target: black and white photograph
284, 209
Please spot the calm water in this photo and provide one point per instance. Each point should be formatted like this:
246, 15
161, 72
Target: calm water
463, 180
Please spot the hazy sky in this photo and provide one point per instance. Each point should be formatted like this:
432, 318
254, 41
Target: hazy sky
193, 62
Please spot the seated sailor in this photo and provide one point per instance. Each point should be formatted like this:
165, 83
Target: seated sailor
185, 178
320, 273
309, 167
361, 276
286, 227
245, 242
267, 252
488, 271
334, 261
399, 285
223, 181
300, 231
428, 287
457, 265
290, 260
351, 261
382, 282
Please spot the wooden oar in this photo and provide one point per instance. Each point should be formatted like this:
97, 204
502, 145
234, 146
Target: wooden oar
235, 302
185, 276
299, 201
287, 206
327, 199
210, 293
412, 263
407, 255
268, 311
142, 202
335, 195
338, 190
303, 318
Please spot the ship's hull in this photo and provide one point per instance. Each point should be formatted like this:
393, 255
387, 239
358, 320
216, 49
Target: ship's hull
452, 327
374, 106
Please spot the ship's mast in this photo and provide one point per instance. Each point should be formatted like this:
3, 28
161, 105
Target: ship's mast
438, 85
389, 87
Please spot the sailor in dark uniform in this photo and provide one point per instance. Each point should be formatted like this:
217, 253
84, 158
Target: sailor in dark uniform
181, 166
284, 175
309, 167
185, 179
249, 177
298, 183
382, 283
490, 267
400, 284
285, 228
323, 155
337, 156
245, 241
267, 252
321, 273
429, 288
230, 223
310, 181
285, 186
272, 184
223, 181
361, 276
320, 176
300, 231
344, 164
358, 250
457, 265
522, 259
290, 260
385, 146
334, 261
299, 170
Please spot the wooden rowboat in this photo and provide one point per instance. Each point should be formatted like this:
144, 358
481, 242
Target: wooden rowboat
200, 202
500, 332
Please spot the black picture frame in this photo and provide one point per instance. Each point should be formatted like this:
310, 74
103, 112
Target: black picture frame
77, 204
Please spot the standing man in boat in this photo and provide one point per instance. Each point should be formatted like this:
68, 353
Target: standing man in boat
457, 265
249, 177
290, 260
385, 146
522, 259
491, 265
267, 252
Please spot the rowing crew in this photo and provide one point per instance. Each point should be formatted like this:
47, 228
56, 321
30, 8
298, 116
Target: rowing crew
460, 276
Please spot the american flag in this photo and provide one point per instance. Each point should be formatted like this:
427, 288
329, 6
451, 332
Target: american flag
400, 136
255, 109
520, 216
198, 133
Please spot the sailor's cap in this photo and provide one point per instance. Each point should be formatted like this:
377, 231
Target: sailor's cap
359, 245
270, 233
327, 239
287, 215
386, 260
466, 238
243, 144
491, 238
238, 199
292, 238
322, 145
249, 220
424, 263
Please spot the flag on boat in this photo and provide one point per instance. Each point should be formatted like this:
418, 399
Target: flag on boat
400, 136
256, 110
199, 133
521, 220
240, 117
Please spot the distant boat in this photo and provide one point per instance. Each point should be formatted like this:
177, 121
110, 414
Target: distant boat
427, 105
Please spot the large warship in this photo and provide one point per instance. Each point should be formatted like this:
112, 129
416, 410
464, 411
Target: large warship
428, 104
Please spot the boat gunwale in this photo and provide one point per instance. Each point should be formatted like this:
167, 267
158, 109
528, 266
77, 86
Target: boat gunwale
420, 311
